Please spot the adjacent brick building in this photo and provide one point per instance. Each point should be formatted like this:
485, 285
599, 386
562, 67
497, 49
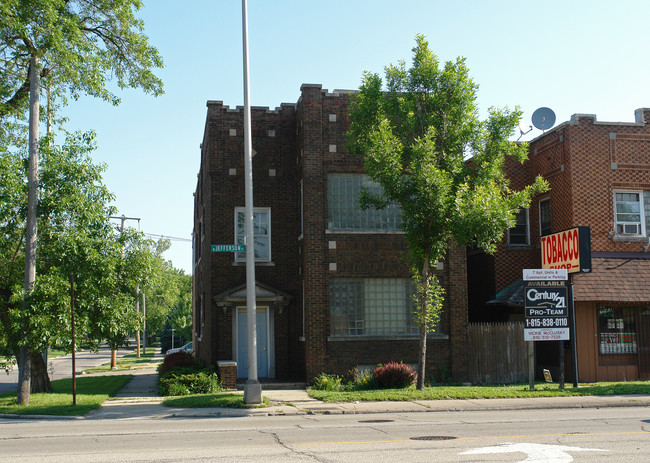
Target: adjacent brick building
334, 291
599, 176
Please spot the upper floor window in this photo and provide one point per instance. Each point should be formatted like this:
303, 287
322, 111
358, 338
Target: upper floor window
519, 234
344, 211
545, 217
630, 213
261, 232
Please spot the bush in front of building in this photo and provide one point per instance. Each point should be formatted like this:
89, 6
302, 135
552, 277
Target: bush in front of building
359, 380
187, 380
178, 359
182, 374
327, 382
394, 375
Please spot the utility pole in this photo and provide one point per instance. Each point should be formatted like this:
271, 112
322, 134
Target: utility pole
123, 219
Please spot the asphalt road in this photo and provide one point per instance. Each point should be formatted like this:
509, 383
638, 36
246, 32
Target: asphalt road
587, 435
61, 367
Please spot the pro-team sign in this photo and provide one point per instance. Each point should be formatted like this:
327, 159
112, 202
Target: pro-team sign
569, 249
546, 311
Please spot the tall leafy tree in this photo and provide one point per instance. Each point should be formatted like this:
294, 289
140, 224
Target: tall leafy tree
74, 46
422, 140
75, 238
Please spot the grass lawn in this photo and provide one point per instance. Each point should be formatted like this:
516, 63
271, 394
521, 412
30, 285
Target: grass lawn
482, 392
91, 393
219, 400
129, 361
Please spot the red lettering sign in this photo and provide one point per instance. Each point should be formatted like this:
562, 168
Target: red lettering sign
562, 250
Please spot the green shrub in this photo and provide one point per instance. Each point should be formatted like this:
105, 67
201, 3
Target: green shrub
359, 380
181, 382
175, 389
394, 375
326, 382
178, 359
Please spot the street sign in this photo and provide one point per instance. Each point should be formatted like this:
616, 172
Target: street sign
546, 311
227, 248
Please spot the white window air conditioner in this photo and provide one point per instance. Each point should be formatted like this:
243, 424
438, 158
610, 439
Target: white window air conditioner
628, 228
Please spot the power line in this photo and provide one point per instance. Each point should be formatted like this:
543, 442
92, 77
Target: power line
173, 238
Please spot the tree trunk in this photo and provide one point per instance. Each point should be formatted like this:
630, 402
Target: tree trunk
25, 374
422, 358
40, 378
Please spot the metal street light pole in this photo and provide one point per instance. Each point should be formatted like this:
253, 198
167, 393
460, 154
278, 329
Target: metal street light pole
253, 388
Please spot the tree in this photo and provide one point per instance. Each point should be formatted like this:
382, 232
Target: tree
76, 45
75, 237
416, 137
180, 317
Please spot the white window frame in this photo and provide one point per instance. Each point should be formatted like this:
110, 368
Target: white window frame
527, 243
241, 256
622, 228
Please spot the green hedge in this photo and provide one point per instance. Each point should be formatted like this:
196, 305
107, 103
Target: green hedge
186, 381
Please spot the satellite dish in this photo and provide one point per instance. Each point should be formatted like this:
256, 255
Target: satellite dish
543, 118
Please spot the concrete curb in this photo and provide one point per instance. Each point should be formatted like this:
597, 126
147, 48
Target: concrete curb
139, 399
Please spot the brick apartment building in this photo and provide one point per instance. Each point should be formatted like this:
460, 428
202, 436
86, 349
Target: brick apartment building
333, 289
599, 176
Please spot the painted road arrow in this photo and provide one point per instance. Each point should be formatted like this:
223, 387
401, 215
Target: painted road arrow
535, 452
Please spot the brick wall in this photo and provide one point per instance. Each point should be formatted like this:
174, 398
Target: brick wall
307, 144
584, 161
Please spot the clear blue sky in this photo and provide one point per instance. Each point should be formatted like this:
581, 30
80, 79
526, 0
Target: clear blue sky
572, 56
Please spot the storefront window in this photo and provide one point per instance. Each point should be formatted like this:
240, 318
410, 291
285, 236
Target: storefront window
617, 330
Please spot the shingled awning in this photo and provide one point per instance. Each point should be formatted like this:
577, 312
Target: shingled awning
615, 277
512, 296
619, 277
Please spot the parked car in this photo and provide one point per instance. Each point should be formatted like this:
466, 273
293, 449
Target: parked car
186, 348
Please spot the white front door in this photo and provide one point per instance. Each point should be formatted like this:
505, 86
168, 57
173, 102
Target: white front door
263, 347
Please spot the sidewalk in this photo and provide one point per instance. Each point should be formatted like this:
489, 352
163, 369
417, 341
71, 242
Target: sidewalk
139, 400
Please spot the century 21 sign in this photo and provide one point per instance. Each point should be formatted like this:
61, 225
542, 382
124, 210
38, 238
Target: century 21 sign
569, 249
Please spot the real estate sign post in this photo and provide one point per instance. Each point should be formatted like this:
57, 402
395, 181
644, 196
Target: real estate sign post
546, 311
569, 250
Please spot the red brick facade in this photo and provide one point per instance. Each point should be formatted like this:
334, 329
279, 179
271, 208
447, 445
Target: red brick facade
585, 161
296, 147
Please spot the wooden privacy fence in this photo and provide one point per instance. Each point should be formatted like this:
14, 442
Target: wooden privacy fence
497, 353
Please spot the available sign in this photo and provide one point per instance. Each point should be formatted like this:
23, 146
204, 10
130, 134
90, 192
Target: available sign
227, 248
569, 249
546, 310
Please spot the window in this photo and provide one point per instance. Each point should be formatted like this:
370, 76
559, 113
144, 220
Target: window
518, 235
545, 217
302, 208
199, 322
261, 232
344, 211
630, 213
617, 332
372, 307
